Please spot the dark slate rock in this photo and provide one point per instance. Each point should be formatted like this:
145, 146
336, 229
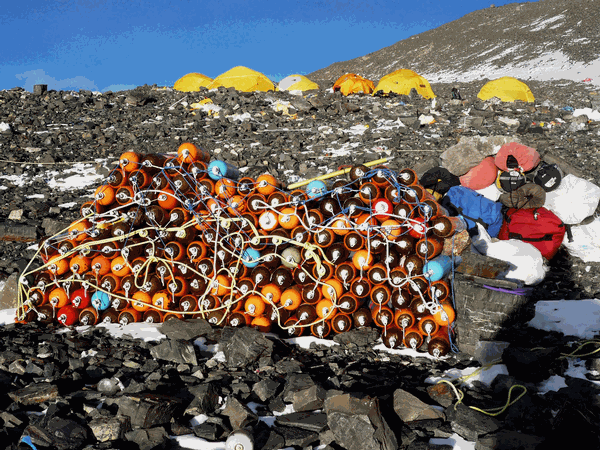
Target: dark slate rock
275, 441
239, 414
185, 329
409, 408
245, 347
150, 439
310, 421
52, 226
531, 365
297, 436
288, 365
358, 424
206, 399
17, 233
175, 350
425, 445
361, 337
265, 389
63, 434
508, 440
110, 428
442, 394
309, 399
295, 383
35, 393
208, 431
470, 424
148, 410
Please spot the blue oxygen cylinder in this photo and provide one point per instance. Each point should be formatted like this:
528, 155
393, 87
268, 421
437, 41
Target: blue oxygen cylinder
250, 257
220, 169
437, 268
316, 188
100, 300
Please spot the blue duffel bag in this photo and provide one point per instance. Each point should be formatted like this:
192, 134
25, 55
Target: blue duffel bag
474, 208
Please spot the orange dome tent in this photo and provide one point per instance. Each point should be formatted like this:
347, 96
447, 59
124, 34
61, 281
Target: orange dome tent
351, 83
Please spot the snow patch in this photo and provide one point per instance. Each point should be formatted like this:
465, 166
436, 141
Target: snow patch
579, 318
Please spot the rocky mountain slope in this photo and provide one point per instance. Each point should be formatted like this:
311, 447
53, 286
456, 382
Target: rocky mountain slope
544, 40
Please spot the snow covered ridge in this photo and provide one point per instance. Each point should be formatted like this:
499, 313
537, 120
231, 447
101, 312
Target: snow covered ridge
544, 40
548, 66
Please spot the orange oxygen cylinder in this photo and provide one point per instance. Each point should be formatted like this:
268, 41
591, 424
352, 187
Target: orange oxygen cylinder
153, 316
428, 326
262, 324
381, 294
254, 305
216, 317
88, 316
418, 308
341, 323
354, 241
104, 195
271, 292
445, 316
58, 266
377, 274
173, 315
291, 298
239, 319
392, 337
141, 301
130, 161
291, 327
362, 260
266, 184
362, 317
311, 294
360, 288
67, 315
39, 297
325, 309
332, 289
129, 315
440, 290
429, 248
58, 298
348, 303
400, 298
439, 345
383, 316
413, 339
404, 318
345, 272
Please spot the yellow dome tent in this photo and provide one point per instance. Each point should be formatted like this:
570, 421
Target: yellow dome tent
243, 79
507, 89
402, 81
297, 83
351, 83
192, 82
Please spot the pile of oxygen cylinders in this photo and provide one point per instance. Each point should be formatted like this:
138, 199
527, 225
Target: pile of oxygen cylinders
182, 237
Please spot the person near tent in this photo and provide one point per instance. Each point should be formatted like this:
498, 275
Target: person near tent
456, 94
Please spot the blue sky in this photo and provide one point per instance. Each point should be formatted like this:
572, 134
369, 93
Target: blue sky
119, 44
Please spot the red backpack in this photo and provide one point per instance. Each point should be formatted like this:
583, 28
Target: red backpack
540, 227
